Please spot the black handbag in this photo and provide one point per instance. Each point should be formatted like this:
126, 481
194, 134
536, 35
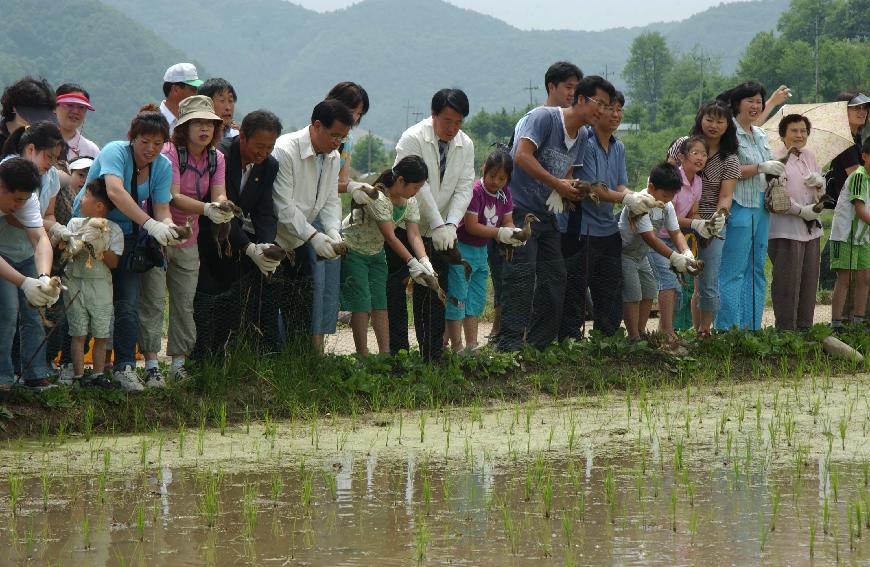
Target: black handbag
147, 252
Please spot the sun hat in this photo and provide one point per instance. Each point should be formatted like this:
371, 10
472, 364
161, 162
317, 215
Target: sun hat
75, 98
183, 73
859, 100
81, 163
196, 107
34, 114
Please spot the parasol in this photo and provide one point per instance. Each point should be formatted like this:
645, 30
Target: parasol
829, 136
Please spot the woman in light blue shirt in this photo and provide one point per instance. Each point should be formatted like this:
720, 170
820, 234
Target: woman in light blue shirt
742, 282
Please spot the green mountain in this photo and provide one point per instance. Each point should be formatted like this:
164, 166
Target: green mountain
284, 57
119, 61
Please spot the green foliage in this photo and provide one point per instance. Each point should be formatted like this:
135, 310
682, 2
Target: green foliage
117, 60
646, 69
370, 155
488, 128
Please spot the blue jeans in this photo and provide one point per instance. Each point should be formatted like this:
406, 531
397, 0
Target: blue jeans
742, 282
14, 311
125, 287
327, 287
708, 281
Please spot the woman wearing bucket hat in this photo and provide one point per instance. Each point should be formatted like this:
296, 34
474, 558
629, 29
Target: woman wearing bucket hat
198, 173
73, 104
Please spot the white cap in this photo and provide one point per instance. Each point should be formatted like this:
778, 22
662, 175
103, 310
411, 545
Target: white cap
182, 73
81, 163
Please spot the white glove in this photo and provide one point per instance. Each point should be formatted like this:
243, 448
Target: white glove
37, 295
334, 236
91, 234
444, 237
59, 232
266, 265
688, 254
718, 222
814, 180
772, 167
700, 226
358, 190
680, 262
161, 232
555, 204
506, 235
322, 245
417, 271
808, 214
638, 203
427, 264
216, 214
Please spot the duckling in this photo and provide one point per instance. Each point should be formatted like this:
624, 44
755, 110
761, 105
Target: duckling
373, 192
433, 284
522, 235
453, 256
182, 233
710, 222
651, 202
221, 232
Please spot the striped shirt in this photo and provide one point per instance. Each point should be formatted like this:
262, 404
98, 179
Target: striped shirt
754, 148
717, 170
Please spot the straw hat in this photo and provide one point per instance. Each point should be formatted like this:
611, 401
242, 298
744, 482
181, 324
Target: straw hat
196, 107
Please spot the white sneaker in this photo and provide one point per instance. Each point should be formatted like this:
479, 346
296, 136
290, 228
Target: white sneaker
154, 378
66, 375
128, 379
178, 373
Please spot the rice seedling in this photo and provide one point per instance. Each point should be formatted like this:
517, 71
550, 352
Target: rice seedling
610, 493
674, 510
140, 520
276, 485
842, 428
331, 482
422, 418
421, 542
826, 516
181, 434
209, 500
222, 418
774, 513
200, 437
307, 490
249, 508
427, 495
812, 540
16, 486
85, 531
45, 486
547, 494
88, 422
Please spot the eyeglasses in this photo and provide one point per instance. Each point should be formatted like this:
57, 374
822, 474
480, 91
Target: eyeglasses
698, 153
599, 102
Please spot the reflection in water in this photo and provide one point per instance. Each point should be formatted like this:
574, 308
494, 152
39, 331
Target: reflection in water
669, 515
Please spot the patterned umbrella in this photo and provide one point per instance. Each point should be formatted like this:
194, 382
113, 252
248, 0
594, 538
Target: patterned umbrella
830, 134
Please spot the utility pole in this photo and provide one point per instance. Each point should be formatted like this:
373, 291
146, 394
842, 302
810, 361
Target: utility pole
530, 88
818, 9
407, 108
606, 74
418, 115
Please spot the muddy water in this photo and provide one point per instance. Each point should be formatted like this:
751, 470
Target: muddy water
697, 477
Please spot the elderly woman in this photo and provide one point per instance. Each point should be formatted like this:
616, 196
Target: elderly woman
742, 282
794, 235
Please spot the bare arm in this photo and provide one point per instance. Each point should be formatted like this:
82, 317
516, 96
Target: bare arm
861, 211
726, 193
656, 244
415, 240
388, 230
110, 259
43, 254
678, 239
344, 176
686, 221
474, 228
124, 202
525, 158
48, 218
10, 274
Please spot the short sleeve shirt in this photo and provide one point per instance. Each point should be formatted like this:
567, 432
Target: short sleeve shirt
597, 219
363, 235
754, 148
490, 210
117, 159
632, 244
846, 223
15, 245
79, 267
545, 128
195, 183
685, 199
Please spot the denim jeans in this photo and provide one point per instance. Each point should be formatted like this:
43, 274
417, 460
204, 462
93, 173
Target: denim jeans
125, 287
327, 285
14, 311
708, 281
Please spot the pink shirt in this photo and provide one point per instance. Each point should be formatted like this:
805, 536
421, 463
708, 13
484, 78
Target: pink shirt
187, 182
686, 198
789, 225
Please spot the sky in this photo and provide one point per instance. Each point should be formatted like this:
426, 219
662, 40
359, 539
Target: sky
565, 14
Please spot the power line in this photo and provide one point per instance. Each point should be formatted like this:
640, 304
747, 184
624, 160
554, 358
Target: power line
407, 108
531, 88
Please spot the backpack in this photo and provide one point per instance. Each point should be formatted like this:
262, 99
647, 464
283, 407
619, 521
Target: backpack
183, 165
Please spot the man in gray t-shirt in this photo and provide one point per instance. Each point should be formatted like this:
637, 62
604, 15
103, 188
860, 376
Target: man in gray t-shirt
546, 148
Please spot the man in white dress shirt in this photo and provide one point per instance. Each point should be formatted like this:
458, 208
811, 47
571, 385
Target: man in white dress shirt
306, 201
449, 156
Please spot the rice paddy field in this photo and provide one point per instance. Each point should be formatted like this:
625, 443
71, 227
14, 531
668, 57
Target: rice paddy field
718, 472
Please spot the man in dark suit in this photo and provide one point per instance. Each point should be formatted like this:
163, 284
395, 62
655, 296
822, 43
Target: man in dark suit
232, 279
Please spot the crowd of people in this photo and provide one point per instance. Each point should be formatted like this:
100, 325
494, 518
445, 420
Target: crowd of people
243, 227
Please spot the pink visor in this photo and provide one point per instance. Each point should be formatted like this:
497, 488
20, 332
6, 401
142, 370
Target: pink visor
75, 98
